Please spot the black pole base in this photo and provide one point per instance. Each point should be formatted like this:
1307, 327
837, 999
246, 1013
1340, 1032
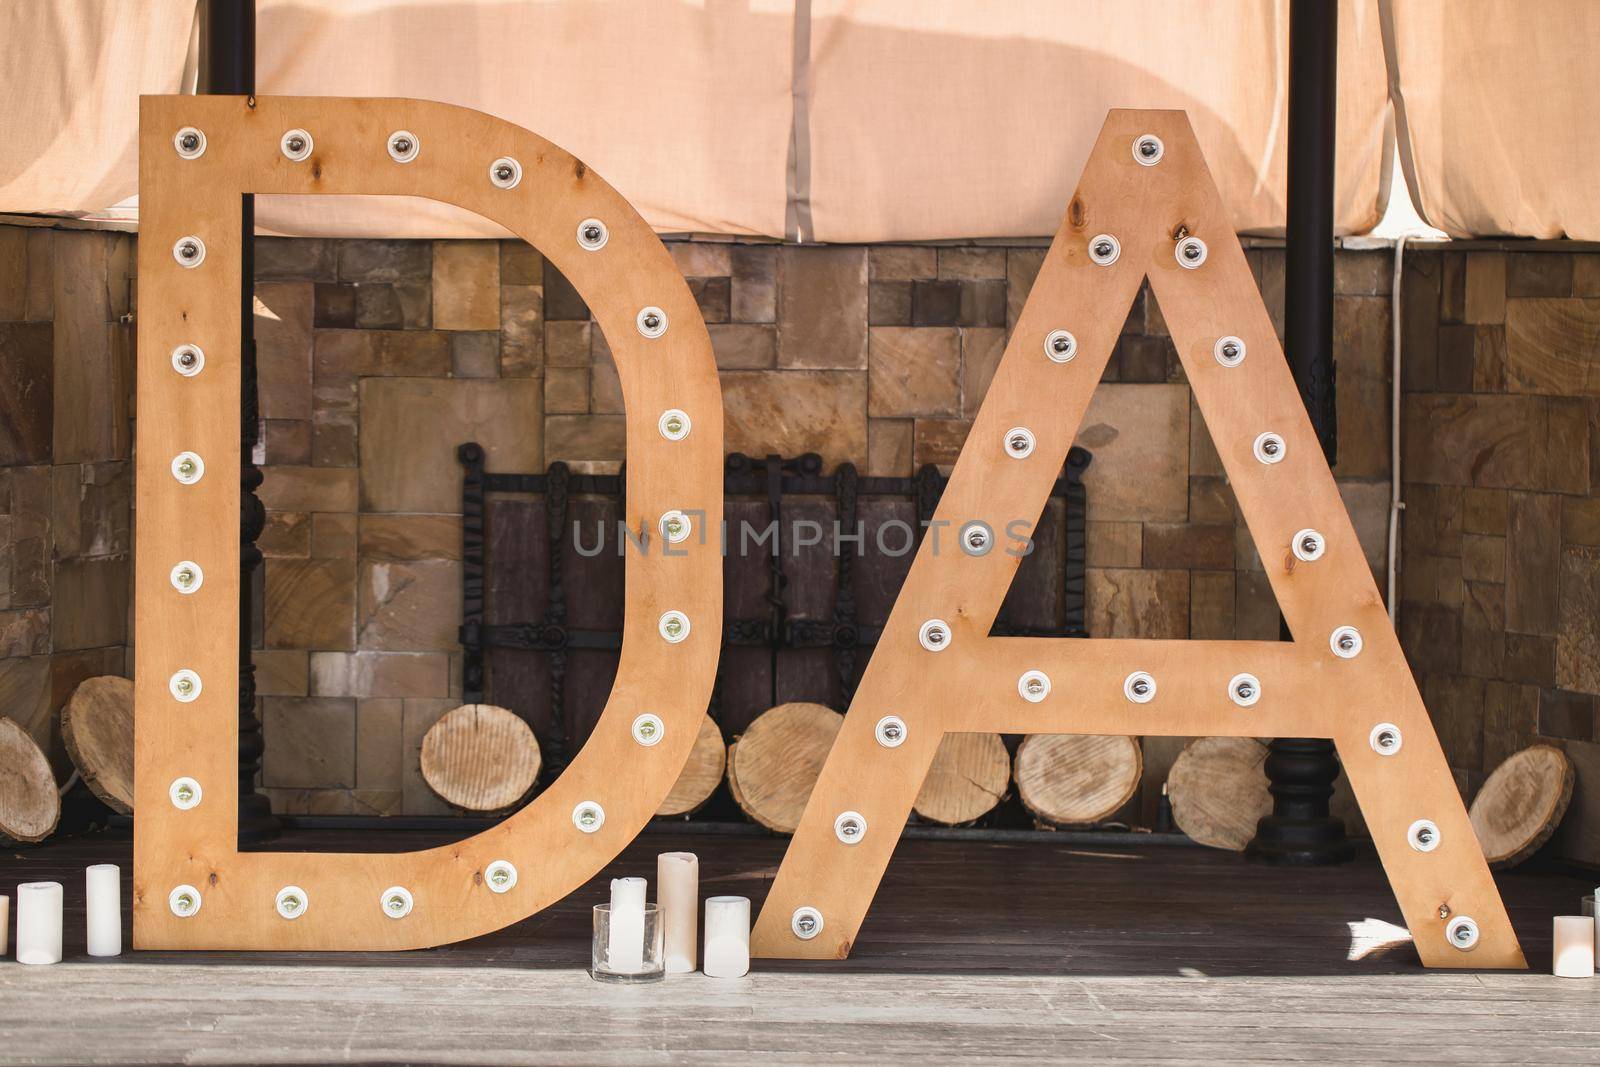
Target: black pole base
1300, 832
257, 824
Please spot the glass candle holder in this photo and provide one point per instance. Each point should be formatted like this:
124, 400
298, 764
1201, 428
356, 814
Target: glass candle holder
625, 961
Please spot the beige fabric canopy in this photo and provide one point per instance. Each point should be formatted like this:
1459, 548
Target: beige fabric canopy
851, 120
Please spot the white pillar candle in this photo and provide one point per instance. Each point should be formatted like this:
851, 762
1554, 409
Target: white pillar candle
39, 922
1573, 955
727, 937
678, 899
103, 893
625, 951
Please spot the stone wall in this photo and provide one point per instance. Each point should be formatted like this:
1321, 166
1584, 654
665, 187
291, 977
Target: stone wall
66, 480
379, 357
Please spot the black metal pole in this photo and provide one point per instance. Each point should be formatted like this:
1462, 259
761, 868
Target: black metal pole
1301, 771
228, 67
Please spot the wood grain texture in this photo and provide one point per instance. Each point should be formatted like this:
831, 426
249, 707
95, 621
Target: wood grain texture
480, 757
971, 682
773, 766
969, 776
29, 803
701, 775
1075, 779
97, 731
199, 522
1521, 803
1218, 790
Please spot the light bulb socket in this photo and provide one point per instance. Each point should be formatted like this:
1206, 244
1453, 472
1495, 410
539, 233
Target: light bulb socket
592, 235
1104, 249
1139, 687
673, 626
189, 251
675, 527
1033, 686
588, 816
806, 923
674, 424
1345, 642
1308, 545
184, 793
648, 729
291, 902
1229, 351
187, 577
188, 467
890, 731
1423, 835
1244, 689
1385, 739
505, 173
500, 876
850, 827
1269, 448
184, 901
1148, 150
188, 360
1190, 253
396, 902
1462, 933
1020, 442
184, 686
651, 322
403, 146
1060, 346
934, 635
189, 142
296, 146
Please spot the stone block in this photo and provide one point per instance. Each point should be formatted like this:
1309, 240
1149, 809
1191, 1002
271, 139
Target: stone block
1486, 288
605, 386
566, 390
1187, 546
1538, 274
903, 263
40, 296
561, 301
394, 307
981, 349
1139, 435
1578, 635
283, 349
286, 535
972, 264
1551, 346
333, 536
412, 606
1114, 544
89, 603
1203, 457
1363, 273
1431, 580
702, 259
333, 423
333, 306
522, 320
741, 346
24, 632
1452, 286
400, 472
1489, 359
1431, 637
1145, 359
938, 441
1022, 267
1580, 520
381, 802
1367, 504
308, 489
713, 297
380, 744
889, 304
1530, 658
791, 412
1211, 501
1361, 359
1483, 558
1484, 511
1211, 605
282, 672
310, 603
27, 389
1566, 715
286, 442
889, 443
380, 674
363, 262
284, 259
402, 537
566, 344
520, 263
914, 371
310, 743
13, 274
90, 387
1501, 442
935, 303
822, 297
1457, 706
1533, 563
983, 303
755, 283
1256, 616
588, 439
1420, 323
475, 354
1137, 603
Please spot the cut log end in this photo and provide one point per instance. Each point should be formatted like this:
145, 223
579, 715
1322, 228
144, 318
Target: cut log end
30, 806
480, 757
1077, 779
1521, 804
774, 765
1218, 790
97, 730
969, 777
700, 775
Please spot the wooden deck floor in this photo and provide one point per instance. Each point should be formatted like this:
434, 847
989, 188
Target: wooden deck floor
976, 952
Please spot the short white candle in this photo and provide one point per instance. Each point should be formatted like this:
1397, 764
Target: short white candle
103, 893
727, 937
39, 922
678, 899
1573, 955
625, 952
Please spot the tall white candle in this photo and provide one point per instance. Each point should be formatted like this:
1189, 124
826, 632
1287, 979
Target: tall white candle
727, 937
678, 898
625, 951
39, 922
103, 892
1573, 955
